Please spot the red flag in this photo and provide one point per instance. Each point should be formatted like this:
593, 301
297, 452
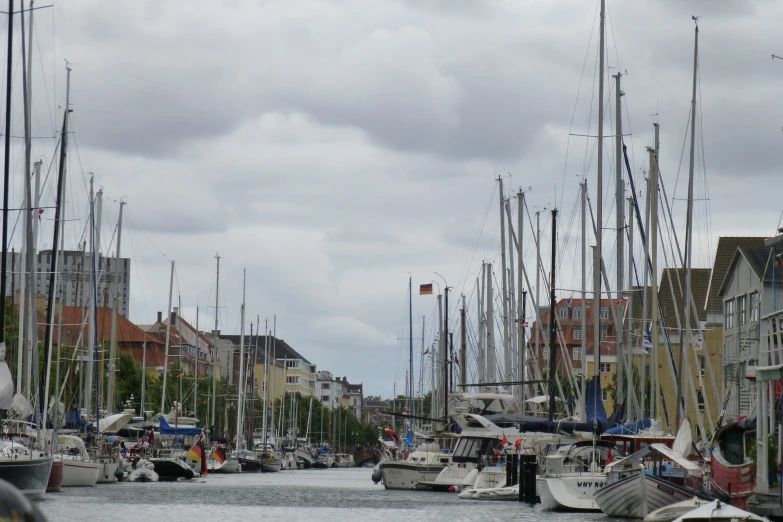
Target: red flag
518, 443
505, 440
609, 459
40, 213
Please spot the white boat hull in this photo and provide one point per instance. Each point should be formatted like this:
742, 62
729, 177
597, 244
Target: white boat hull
574, 492
407, 475
142, 475
455, 475
79, 473
106, 472
228, 466
626, 499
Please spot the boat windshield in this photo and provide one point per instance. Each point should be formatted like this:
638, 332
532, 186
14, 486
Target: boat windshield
469, 449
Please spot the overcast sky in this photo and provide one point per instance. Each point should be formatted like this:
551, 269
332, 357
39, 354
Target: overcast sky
333, 148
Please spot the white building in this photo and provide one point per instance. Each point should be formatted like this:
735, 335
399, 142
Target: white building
75, 277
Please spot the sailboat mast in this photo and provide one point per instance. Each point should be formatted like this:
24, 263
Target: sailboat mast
583, 304
482, 366
195, 373
463, 348
490, 322
599, 205
654, 330
685, 341
522, 350
58, 213
168, 341
240, 384
622, 364
410, 359
90, 347
552, 319
264, 423
115, 304
214, 353
6, 171
504, 287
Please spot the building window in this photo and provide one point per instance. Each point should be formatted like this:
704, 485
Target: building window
325, 398
577, 333
754, 307
700, 400
290, 364
578, 372
743, 309
603, 333
577, 313
545, 352
605, 367
562, 312
604, 313
728, 308
577, 354
291, 379
604, 395
700, 365
324, 385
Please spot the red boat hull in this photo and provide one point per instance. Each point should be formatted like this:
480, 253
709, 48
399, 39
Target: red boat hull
55, 477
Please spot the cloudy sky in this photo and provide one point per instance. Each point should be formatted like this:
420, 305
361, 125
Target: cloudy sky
333, 148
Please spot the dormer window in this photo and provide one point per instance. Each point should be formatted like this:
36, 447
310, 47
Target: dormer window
562, 312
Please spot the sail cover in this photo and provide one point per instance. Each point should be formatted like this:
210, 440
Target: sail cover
167, 429
595, 412
6, 382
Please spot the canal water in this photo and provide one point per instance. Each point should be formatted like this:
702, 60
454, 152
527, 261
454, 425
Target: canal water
313, 495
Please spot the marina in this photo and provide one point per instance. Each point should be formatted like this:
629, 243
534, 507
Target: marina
229, 346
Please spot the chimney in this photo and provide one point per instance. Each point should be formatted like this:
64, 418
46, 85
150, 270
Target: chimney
160, 317
173, 318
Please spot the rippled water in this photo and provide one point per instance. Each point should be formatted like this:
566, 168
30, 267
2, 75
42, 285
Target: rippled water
318, 495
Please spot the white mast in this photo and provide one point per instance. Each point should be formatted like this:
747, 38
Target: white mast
685, 341
266, 378
241, 384
653, 240
513, 331
482, 365
538, 287
491, 356
622, 364
215, 351
599, 205
115, 304
91, 318
168, 340
504, 289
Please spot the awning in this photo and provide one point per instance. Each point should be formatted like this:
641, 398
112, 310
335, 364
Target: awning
674, 457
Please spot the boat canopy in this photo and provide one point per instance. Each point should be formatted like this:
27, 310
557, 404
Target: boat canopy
632, 428
675, 457
114, 423
166, 429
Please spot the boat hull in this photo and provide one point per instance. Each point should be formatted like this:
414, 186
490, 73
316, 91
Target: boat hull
107, 472
80, 473
570, 492
28, 475
250, 465
271, 466
625, 498
733, 484
228, 466
55, 477
172, 469
407, 475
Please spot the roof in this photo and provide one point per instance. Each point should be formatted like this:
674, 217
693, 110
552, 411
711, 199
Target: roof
760, 261
181, 321
127, 332
724, 254
673, 279
279, 349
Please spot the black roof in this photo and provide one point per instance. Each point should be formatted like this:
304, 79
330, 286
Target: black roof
278, 347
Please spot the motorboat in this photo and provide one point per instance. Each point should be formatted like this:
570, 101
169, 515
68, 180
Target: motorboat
717, 510
269, 463
171, 468
674, 511
26, 471
79, 469
423, 464
249, 461
344, 460
572, 476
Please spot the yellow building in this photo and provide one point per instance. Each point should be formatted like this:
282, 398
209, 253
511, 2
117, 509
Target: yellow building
704, 401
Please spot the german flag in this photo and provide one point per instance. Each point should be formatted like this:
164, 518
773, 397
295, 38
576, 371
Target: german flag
218, 455
195, 453
425, 289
